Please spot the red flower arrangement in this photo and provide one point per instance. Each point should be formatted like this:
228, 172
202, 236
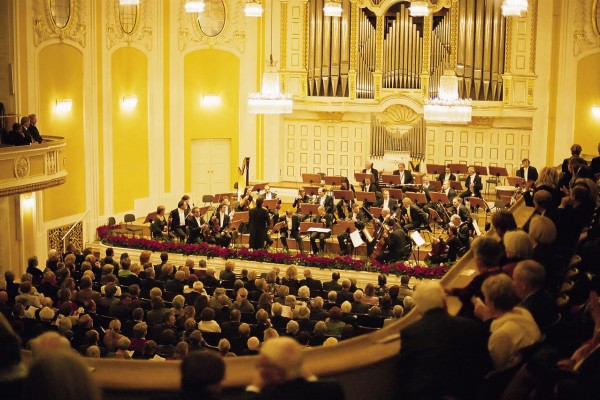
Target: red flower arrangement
420, 271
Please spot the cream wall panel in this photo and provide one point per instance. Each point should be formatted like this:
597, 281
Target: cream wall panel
329, 147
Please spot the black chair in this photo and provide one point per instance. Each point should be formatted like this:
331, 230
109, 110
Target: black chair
129, 219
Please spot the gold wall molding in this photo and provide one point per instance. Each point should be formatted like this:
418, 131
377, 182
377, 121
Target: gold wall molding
283, 34
533, 6
142, 34
585, 36
44, 29
56, 234
233, 35
329, 116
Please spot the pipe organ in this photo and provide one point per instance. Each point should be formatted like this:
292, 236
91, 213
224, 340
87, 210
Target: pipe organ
385, 139
479, 49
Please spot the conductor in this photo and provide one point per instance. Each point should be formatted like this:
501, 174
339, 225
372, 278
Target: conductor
259, 221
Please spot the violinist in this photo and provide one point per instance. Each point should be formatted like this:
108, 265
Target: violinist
397, 246
187, 208
291, 229
178, 220
323, 199
359, 218
220, 222
327, 221
462, 231
460, 209
302, 197
344, 207
412, 217
195, 227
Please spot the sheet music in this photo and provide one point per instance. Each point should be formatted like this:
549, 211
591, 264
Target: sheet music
476, 227
320, 230
356, 239
418, 239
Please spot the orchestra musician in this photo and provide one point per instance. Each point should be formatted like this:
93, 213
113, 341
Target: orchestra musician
187, 208
220, 222
425, 188
246, 200
412, 217
406, 177
326, 219
360, 219
387, 202
447, 175
462, 232
302, 197
226, 205
447, 190
473, 184
269, 195
259, 221
369, 187
159, 226
527, 172
343, 207
458, 208
195, 226
325, 200
370, 170
396, 243
291, 229
177, 218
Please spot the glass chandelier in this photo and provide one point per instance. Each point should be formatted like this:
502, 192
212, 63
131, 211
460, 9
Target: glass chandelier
270, 99
129, 2
253, 8
514, 8
333, 8
419, 9
448, 107
194, 6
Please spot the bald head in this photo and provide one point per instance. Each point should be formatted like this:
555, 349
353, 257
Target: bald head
280, 360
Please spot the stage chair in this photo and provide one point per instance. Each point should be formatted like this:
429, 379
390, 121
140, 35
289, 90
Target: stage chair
207, 199
129, 219
116, 231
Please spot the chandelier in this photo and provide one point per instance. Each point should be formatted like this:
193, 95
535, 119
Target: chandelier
129, 2
194, 6
514, 8
270, 100
253, 8
448, 107
419, 9
332, 8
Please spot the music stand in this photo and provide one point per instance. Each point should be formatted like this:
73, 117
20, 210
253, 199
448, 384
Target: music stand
360, 177
235, 226
375, 211
305, 226
343, 226
459, 168
343, 195
498, 171
334, 180
150, 217
390, 180
479, 203
311, 190
437, 185
259, 186
311, 178
242, 216
366, 196
435, 169
309, 209
396, 194
417, 198
203, 210
439, 198
271, 204
434, 217
456, 185
480, 169
515, 181
276, 229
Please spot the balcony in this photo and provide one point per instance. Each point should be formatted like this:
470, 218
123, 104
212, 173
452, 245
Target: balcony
26, 169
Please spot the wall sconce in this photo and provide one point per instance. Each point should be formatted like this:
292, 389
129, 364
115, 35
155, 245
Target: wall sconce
210, 100
63, 105
29, 201
596, 111
129, 102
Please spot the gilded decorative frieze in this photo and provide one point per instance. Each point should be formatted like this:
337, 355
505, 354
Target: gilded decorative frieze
482, 122
138, 31
379, 43
22, 167
453, 33
354, 37
533, 6
426, 38
400, 114
44, 27
283, 34
305, 22
508, 50
232, 36
585, 35
530, 91
326, 116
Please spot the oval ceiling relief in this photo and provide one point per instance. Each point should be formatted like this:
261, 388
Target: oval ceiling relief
60, 10
212, 20
128, 17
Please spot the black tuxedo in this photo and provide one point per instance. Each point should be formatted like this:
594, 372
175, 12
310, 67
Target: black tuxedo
35, 133
405, 179
373, 189
285, 232
222, 238
375, 174
451, 193
477, 186
327, 221
595, 165
194, 229
417, 217
300, 199
532, 174
396, 247
442, 356
327, 203
259, 220
178, 226
392, 204
443, 177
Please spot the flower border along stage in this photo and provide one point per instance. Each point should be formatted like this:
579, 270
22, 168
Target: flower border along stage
410, 268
